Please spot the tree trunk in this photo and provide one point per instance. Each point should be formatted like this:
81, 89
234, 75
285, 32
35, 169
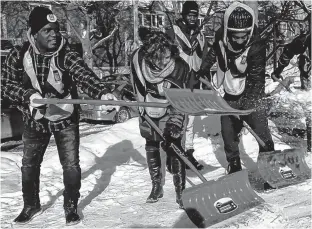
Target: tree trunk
109, 58
135, 24
87, 52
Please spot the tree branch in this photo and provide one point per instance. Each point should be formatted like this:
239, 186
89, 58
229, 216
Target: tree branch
108, 37
71, 24
207, 16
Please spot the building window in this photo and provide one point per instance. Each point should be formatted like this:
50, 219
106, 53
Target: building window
161, 20
147, 20
153, 20
141, 19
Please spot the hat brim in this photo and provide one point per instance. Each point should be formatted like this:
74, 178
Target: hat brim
240, 30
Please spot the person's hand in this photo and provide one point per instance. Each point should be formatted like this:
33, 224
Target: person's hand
35, 96
276, 77
172, 131
172, 134
37, 110
109, 96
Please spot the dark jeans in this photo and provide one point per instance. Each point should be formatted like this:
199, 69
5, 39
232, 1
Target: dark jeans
231, 127
35, 144
305, 79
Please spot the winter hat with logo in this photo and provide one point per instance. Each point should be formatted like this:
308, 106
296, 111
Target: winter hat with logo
190, 7
39, 17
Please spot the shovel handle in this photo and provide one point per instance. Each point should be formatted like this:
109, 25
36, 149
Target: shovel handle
180, 154
254, 134
100, 102
281, 82
201, 79
244, 123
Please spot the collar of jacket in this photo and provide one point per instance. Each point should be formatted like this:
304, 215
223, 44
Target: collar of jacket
227, 14
183, 26
31, 40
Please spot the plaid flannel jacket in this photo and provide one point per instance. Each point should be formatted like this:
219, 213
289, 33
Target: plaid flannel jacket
13, 86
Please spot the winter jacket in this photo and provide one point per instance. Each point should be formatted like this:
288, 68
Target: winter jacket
17, 85
192, 45
148, 87
300, 45
244, 69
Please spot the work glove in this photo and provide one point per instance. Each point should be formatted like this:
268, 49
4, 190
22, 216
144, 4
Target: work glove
201, 74
278, 76
109, 96
172, 131
193, 80
37, 110
172, 134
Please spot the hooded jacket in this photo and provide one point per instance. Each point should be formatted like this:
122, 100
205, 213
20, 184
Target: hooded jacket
246, 67
148, 86
192, 46
26, 73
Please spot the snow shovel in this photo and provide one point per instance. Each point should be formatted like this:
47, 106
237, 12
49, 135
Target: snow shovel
198, 102
214, 201
280, 167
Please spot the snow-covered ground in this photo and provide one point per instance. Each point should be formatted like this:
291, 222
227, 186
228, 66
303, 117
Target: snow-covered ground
116, 181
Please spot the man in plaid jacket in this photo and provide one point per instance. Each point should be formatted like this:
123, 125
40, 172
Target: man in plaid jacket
45, 67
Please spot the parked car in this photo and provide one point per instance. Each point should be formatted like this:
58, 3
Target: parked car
122, 88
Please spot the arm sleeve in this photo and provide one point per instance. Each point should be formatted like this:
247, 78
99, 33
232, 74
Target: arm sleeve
176, 118
84, 77
12, 86
209, 58
290, 50
256, 68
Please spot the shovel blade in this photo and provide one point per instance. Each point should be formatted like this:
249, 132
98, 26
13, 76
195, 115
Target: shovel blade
283, 168
214, 201
200, 102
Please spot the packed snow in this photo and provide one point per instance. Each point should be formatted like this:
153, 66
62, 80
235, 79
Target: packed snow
116, 181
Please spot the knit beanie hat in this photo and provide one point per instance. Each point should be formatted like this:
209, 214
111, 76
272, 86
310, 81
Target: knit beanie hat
240, 19
39, 17
190, 7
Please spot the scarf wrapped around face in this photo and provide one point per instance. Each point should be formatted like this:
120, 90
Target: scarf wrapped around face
156, 76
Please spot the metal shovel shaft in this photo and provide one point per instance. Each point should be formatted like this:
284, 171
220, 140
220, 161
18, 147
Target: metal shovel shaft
282, 83
100, 102
203, 179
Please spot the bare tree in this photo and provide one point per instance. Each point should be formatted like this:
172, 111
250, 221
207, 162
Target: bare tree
87, 12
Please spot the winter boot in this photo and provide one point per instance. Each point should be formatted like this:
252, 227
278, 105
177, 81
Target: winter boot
27, 214
192, 159
154, 166
31, 208
178, 171
70, 208
30, 188
234, 165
